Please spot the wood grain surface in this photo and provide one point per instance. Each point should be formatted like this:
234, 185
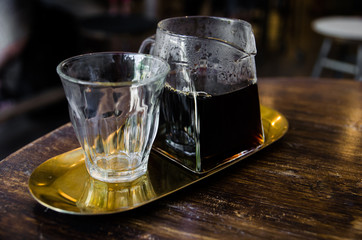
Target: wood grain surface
308, 185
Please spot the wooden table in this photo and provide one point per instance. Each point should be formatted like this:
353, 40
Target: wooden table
308, 185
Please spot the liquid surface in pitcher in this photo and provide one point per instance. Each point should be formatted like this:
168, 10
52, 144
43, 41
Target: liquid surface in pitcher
229, 123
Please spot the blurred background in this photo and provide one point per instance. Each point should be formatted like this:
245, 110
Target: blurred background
35, 35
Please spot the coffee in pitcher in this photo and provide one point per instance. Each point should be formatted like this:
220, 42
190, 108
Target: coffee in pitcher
227, 122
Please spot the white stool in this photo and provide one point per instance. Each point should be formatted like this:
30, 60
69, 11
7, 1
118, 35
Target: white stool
347, 29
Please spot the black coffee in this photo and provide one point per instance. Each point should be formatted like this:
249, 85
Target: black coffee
228, 123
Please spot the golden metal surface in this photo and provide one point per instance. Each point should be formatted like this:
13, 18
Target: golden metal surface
63, 184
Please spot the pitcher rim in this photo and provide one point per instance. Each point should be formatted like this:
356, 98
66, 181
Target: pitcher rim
172, 33
200, 17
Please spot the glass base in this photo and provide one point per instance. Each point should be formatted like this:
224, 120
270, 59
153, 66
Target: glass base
126, 174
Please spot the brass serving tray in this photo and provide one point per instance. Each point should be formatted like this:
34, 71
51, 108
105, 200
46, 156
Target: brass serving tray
63, 184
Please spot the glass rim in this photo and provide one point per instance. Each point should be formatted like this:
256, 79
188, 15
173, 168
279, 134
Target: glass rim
68, 78
162, 28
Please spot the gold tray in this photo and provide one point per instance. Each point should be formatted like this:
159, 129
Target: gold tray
63, 184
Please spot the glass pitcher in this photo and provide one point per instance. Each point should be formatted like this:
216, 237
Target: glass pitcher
210, 112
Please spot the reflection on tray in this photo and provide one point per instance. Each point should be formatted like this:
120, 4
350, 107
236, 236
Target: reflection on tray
63, 184
99, 196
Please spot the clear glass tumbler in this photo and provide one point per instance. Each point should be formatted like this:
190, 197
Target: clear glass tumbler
114, 100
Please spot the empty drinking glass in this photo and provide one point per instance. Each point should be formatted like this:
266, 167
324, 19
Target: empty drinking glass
114, 103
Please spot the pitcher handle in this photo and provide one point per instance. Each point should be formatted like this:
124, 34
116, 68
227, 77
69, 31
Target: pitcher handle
147, 45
